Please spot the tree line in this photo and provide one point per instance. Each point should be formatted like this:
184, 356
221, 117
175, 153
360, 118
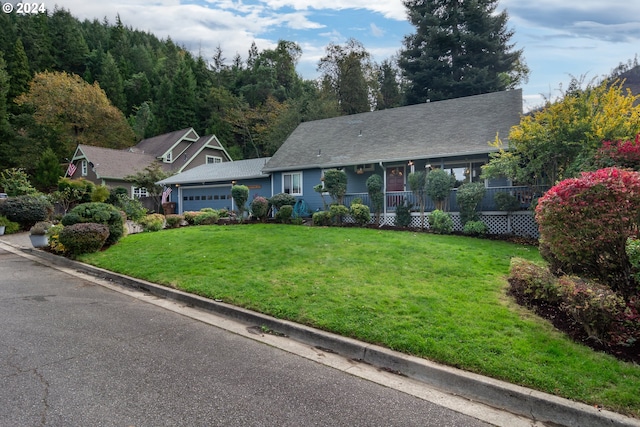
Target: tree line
64, 81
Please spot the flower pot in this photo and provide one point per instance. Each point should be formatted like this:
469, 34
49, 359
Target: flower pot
2, 227
39, 240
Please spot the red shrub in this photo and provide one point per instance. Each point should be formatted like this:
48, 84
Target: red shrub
624, 154
585, 222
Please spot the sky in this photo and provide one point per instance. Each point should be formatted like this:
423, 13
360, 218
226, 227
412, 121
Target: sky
559, 39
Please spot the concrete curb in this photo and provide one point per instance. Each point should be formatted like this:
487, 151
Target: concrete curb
532, 404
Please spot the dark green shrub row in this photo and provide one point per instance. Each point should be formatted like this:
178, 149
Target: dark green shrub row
83, 238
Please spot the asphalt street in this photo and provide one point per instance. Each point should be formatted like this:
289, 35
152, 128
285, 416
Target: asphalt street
73, 353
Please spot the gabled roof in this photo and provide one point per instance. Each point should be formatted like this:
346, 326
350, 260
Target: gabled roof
114, 164
194, 149
157, 146
217, 172
462, 126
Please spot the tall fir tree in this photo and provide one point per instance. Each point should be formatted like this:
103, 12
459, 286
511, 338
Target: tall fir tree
110, 81
460, 48
18, 69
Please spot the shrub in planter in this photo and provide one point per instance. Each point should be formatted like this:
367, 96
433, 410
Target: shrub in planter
207, 218
260, 207
360, 213
475, 228
594, 306
83, 238
468, 196
99, 213
152, 222
321, 218
440, 222
533, 284
26, 210
173, 220
284, 214
585, 223
281, 199
338, 212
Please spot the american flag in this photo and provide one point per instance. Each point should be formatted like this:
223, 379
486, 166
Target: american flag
165, 195
71, 169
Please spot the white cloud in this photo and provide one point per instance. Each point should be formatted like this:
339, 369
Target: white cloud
376, 31
391, 9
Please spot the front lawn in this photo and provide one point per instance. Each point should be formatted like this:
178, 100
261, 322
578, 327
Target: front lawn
437, 297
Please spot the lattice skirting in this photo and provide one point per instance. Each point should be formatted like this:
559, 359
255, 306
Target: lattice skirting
520, 223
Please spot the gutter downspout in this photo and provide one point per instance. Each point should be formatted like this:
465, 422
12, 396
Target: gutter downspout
180, 212
384, 193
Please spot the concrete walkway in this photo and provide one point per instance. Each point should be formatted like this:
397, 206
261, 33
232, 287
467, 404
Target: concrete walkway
540, 408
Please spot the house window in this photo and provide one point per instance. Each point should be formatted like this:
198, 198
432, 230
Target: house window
85, 168
292, 183
213, 159
139, 192
167, 158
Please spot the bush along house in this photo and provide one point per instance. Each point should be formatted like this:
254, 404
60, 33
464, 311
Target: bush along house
452, 135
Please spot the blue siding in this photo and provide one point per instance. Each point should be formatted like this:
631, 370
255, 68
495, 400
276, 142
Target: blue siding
217, 196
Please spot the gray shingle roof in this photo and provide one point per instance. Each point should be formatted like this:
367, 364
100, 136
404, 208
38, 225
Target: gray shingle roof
115, 164
160, 144
215, 172
459, 126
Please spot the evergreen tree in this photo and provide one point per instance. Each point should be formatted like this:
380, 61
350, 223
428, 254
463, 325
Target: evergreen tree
181, 113
389, 95
47, 172
111, 81
18, 69
460, 48
347, 72
68, 44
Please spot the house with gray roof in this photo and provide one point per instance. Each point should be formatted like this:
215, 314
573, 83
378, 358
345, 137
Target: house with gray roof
209, 185
453, 135
175, 152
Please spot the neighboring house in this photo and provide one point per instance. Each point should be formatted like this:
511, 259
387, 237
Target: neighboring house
452, 134
175, 151
210, 185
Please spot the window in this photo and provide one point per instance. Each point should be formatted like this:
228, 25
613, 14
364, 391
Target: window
85, 169
213, 159
139, 192
292, 183
167, 158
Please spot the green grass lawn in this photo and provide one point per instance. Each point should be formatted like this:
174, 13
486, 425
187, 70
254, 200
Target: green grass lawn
437, 297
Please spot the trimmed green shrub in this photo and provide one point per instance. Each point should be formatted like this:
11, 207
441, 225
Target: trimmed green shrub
15, 182
284, 214
100, 194
532, 284
335, 183
360, 213
475, 228
585, 223
260, 207
440, 222
240, 194
26, 210
173, 220
468, 196
281, 199
403, 215
506, 202
439, 185
321, 218
374, 188
99, 213
152, 222
190, 216
338, 212
207, 218
83, 238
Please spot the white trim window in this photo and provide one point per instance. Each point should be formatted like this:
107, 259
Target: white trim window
168, 157
85, 168
139, 192
213, 159
292, 183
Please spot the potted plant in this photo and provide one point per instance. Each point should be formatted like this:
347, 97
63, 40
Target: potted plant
38, 234
3, 223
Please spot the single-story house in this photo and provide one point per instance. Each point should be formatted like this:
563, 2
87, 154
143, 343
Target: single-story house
176, 152
210, 185
453, 135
